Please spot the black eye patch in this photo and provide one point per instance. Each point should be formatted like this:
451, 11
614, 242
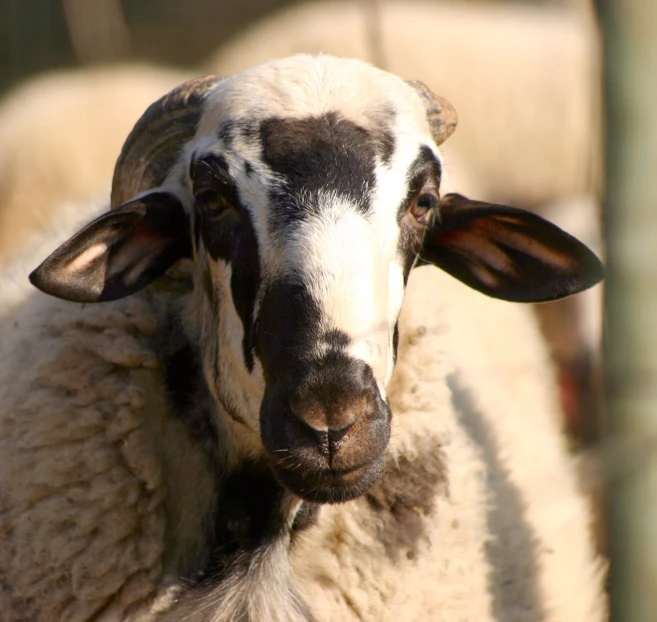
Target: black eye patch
424, 174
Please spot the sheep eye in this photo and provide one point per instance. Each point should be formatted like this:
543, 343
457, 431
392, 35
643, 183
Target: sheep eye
212, 203
422, 206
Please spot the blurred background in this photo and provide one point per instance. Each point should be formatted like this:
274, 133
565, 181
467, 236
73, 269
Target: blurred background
531, 81
47, 34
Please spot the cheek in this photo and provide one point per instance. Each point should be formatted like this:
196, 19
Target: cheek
410, 243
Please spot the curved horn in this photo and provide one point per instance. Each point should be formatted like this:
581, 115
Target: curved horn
440, 113
153, 146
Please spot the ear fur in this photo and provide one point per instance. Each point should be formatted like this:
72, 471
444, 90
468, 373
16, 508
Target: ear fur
507, 253
119, 253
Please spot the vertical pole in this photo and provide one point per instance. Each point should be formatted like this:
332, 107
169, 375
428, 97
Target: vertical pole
630, 39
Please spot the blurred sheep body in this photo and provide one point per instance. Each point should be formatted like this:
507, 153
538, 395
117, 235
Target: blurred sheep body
60, 135
134, 485
525, 81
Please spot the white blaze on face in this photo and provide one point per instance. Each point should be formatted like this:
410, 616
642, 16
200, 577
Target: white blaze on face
339, 257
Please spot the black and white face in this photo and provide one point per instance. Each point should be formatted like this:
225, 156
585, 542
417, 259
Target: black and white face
309, 190
308, 222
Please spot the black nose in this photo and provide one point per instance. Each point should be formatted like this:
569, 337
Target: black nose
326, 428
334, 397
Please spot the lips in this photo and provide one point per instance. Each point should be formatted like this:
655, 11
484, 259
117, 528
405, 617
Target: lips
328, 486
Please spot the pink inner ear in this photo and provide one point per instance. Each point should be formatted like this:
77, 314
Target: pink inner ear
499, 234
480, 247
485, 275
84, 260
134, 255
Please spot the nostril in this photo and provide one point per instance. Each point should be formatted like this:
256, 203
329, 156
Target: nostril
323, 442
329, 443
336, 436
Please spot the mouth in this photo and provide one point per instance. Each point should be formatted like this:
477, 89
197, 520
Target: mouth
328, 485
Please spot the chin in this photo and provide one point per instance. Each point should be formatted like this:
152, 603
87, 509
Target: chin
330, 486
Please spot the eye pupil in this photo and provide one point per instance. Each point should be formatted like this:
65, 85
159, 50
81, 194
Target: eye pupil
423, 206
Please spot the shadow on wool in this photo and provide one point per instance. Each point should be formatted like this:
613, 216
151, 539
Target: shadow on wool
512, 538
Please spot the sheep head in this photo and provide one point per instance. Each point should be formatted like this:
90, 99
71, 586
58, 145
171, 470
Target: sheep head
304, 190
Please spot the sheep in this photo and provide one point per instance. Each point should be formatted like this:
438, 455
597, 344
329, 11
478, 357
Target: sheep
216, 440
60, 134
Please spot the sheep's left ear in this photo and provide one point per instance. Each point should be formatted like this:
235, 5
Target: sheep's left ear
507, 253
119, 253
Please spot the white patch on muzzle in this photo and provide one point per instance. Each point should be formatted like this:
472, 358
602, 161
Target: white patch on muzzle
352, 272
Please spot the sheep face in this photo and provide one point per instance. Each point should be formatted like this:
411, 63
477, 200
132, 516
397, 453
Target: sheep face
305, 195
309, 213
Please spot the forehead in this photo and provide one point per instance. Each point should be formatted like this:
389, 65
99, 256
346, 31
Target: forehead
286, 99
311, 86
306, 131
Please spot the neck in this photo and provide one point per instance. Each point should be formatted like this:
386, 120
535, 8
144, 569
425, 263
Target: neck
250, 523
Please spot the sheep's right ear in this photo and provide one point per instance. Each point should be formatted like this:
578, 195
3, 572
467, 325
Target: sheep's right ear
119, 253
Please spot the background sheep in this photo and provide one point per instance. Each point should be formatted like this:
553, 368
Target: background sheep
60, 135
524, 79
89, 413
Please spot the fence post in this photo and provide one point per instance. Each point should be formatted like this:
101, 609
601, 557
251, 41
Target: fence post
630, 39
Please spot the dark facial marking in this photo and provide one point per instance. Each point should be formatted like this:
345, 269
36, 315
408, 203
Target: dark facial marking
226, 133
423, 175
405, 496
336, 339
425, 169
327, 153
230, 130
245, 284
395, 343
288, 328
386, 145
190, 399
248, 168
230, 236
